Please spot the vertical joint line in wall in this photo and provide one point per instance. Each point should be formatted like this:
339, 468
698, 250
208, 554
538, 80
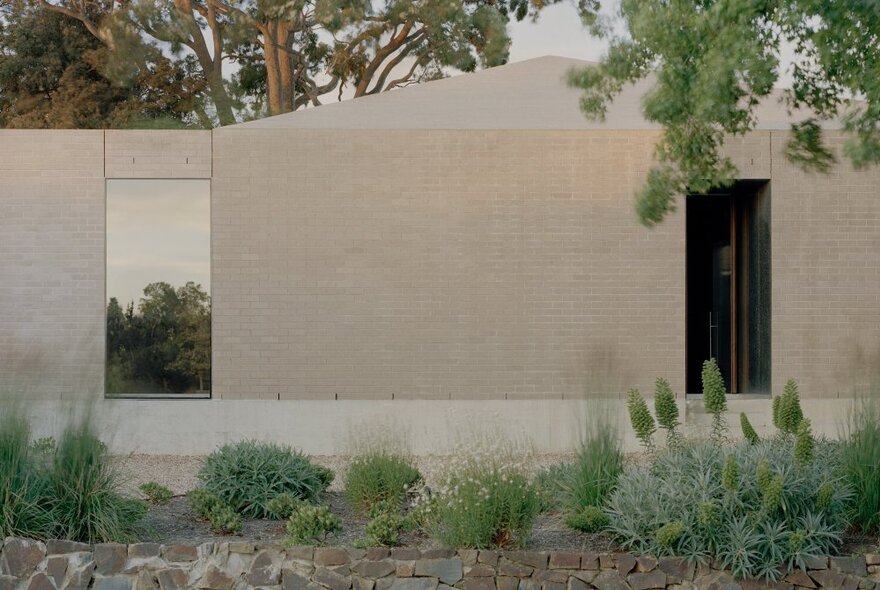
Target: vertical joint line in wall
771, 155
104, 148
212, 152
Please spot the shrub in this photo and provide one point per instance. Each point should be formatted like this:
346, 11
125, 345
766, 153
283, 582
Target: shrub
590, 478
379, 476
714, 398
751, 506
640, 418
222, 518
487, 502
860, 463
88, 505
589, 520
282, 506
247, 475
156, 493
25, 509
311, 523
383, 529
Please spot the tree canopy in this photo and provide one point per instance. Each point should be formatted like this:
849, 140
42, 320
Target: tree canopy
291, 53
163, 345
714, 60
53, 74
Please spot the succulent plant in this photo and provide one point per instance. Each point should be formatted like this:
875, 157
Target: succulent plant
730, 474
788, 414
669, 533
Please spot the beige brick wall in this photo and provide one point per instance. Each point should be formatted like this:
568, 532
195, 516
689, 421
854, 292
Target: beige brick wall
826, 275
440, 264
51, 263
158, 154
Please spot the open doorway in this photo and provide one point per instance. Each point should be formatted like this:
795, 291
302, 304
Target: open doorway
728, 286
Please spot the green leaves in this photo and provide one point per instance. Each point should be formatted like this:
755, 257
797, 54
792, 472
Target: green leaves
787, 412
715, 61
748, 431
715, 398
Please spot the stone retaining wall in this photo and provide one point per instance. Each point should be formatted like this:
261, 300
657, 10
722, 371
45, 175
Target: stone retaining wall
56, 565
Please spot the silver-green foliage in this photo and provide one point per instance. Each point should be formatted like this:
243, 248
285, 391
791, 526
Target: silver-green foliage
248, 474
714, 492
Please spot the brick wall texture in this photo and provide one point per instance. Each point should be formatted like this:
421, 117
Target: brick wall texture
442, 264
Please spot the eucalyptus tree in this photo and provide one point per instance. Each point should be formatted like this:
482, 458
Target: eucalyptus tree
715, 60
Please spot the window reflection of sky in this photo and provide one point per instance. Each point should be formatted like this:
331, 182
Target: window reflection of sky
157, 230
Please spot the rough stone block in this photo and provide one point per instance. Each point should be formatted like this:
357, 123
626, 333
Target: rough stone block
678, 568
535, 559
172, 579
144, 550
478, 584
113, 583
359, 583
480, 570
854, 565
448, 570
610, 580
624, 562
489, 557
553, 586
56, 568
40, 581
180, 553
646, 563
565, 561
575, 584
301, 552
291, 580
405, 553
589, 561
468, 556
377, 553
61, 546
512, 568
405, 569
647, 580
327, 556
507, 583
144, 581
265, 569
438, 553
20, 557
800, 578
110, 558
215, 579
375, 569
414, 584
332, 580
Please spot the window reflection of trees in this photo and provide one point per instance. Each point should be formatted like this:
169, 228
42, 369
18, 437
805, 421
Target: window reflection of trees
162, 344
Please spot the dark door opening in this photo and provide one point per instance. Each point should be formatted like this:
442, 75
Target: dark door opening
728, 286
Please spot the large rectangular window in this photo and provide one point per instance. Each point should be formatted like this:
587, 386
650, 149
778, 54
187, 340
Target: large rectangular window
158, 288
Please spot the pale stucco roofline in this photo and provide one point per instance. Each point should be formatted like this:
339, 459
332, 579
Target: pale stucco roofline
530, 94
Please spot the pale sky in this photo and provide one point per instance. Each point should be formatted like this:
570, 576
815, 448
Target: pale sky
157, 230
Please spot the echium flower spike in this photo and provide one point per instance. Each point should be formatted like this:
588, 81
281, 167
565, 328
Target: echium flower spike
715, 398
730, 474
666, 410
789, 411
763, 475
803, 443
748, 431
640, 418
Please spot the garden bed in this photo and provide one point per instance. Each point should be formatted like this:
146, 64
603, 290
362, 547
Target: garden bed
176, 524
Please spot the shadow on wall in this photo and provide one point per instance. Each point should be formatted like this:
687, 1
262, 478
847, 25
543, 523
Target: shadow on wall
606, 374
861, 376
37, 369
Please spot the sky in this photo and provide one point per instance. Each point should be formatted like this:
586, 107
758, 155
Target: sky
157, 230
